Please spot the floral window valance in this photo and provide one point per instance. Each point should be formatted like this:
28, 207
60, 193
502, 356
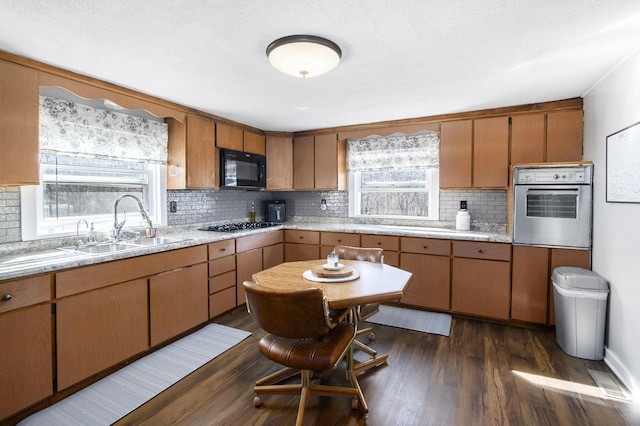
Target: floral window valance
80, 130
394, 152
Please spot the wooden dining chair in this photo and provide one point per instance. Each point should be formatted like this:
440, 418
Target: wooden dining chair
301, 336
362, 312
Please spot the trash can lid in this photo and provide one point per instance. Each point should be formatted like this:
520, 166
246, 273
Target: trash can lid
580, 278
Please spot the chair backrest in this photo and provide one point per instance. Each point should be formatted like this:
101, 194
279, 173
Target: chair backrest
294, 314
375, 255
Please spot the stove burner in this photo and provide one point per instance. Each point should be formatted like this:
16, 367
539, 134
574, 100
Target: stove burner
241, 226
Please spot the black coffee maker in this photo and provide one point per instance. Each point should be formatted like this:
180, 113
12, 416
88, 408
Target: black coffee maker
276, 211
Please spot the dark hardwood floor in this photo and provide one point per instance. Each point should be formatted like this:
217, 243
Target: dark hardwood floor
482, 374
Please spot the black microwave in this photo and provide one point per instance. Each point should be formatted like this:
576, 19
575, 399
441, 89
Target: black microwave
242, 170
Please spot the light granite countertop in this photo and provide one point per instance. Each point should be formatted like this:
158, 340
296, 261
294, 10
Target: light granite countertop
31, 263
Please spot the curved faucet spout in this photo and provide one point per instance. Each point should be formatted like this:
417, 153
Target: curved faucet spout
117, 226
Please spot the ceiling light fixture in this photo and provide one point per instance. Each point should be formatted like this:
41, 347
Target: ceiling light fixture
304, 55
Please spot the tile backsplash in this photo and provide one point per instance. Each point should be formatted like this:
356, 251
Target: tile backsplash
488, 208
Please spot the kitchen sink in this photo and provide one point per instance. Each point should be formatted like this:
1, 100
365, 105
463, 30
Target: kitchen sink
103, 248
158, 241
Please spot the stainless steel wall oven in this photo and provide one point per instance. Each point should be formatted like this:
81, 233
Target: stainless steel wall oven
552, 205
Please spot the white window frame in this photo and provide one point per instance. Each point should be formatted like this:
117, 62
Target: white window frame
35, 226
355, 189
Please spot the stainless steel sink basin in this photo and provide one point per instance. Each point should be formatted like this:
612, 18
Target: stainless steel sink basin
102, 248
158, 241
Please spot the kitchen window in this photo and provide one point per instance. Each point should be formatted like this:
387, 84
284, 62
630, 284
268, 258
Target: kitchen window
88, 158
394, 177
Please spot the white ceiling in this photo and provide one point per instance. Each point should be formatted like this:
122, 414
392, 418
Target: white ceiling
401, 59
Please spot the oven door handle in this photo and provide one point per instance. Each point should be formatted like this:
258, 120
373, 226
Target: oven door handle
554, 191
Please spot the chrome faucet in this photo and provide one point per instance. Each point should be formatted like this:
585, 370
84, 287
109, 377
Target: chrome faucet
117, 226
78, 242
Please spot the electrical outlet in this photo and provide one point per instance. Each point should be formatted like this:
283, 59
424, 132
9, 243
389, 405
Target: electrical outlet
323, 204
173, 206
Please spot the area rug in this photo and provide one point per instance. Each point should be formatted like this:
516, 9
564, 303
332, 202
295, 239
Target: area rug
411, 319
113, 397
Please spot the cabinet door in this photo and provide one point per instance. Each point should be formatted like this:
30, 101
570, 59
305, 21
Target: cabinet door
297, 252
229, 137
455, 154
564, 136
527, 138
248, 263
491, 152
303, 163
178, 301
20, 159
279, 163
98, 329
326, 161
429, 286
481, 287
254, 143
272, 255
201, 167
565, 257
529, 284
26, 358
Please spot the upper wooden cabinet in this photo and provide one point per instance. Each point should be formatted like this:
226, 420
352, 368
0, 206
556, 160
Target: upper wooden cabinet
201, 154
319, 162
475, 153
229, 137
456, 153
254, 143
546, 137
279, 151
564, 136
19, 162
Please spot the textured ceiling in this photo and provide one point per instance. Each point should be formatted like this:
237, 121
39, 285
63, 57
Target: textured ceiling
401, 59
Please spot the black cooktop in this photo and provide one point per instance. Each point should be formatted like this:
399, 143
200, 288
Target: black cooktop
240, 226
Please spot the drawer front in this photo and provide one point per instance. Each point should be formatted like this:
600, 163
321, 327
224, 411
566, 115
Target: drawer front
222, 265
222, 248
340, 239
425, 246
258, 240
385, 242
482, 250
24, 292
305, 237
222, 281
222, 302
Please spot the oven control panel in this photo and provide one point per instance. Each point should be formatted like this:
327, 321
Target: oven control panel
552, 175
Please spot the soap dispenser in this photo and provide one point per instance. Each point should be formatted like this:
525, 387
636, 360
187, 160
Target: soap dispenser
92, 236
463, 219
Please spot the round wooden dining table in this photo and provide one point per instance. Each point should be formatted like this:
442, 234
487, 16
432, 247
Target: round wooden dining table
374, 282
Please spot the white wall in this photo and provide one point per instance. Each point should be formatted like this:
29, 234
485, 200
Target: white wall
612, 105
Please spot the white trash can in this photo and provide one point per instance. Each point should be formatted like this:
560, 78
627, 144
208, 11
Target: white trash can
580, 298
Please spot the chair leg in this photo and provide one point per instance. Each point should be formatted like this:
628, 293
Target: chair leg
364, 348
278, 376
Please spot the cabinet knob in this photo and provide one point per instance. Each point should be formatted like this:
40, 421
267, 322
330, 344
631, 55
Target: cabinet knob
301, 238
223, 249
339, 241
479, 250
6, 297
379, 243
424, 247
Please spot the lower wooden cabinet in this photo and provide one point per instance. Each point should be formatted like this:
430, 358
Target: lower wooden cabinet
255, 253
98, 329
481, 280
430, 263
301, 245
26, 366
178, 301
532, 290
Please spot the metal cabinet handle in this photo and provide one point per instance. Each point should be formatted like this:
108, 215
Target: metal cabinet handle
6, 297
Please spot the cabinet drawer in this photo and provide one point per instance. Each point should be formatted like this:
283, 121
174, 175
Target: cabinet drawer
385, 242
425, 246
306, 237
482, 250
258, 240
222, 248
222, 281
222, 265
340, 239
222, 301
24, 292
